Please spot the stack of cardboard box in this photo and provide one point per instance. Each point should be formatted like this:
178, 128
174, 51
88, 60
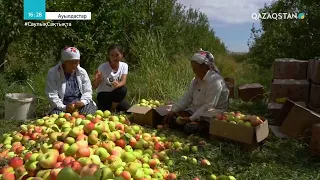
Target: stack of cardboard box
314, 78
289, 82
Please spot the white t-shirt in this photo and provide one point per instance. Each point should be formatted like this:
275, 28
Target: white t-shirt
109, 75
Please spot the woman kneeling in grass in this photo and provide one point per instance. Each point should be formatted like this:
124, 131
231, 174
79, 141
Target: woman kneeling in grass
68, 86
207, 93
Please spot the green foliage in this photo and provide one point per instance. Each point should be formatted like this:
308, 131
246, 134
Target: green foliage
287, 38
181, 30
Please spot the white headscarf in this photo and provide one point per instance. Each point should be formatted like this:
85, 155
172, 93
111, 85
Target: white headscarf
205, 57
70, 53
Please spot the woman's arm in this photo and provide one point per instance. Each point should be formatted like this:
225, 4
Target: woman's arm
124, 75
97, 79
185, 101
51, 90
212, 96
87, 88
123, 81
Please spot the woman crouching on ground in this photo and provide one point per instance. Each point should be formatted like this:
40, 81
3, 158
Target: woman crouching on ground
68, 86
207, 93
110, 81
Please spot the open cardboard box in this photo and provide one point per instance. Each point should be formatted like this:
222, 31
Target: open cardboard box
239, 133
296, 120
146, 116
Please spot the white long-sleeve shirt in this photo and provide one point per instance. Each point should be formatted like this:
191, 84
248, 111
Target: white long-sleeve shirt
204, 95
56, 86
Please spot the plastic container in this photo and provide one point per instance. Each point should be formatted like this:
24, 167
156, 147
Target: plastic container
19, 106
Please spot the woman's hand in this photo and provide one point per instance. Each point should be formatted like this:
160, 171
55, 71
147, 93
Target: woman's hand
116, 84
168, 117
70, 108
79, 104
98, 76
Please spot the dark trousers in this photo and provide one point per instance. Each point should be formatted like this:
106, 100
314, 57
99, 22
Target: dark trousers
105, 99
197, 127
90, 108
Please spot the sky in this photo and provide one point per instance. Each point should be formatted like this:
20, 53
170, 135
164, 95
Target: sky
230, 19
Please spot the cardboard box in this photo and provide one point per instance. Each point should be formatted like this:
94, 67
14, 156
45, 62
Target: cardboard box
314, 109
230, 83
239, 133
310, 68
316, 72
275, 109
297, 121
289, 68
314, 98
146, 116
315, 139
251, 92
296, 90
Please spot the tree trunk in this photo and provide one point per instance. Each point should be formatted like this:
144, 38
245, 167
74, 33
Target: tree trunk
3, 53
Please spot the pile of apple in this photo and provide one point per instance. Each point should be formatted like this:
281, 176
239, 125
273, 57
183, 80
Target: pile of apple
100, 146
239, 118
150, 103
72, 146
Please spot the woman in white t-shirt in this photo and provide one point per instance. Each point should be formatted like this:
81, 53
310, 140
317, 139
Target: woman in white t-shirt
110, 81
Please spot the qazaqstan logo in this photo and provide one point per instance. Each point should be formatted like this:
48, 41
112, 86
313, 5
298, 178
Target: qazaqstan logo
277, 16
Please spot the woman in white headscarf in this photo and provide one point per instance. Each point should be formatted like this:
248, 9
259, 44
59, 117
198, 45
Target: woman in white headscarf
207, 94
68, 86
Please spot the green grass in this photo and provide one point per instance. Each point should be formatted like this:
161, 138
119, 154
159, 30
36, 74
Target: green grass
160, 77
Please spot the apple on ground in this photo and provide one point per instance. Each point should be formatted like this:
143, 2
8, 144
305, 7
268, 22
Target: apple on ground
89, 170
83, 152
102, 153
104, 173
76, 166
15, 162
48, 160
205, 162
67, 173
213, 177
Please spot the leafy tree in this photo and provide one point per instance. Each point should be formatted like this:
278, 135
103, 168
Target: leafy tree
287, 38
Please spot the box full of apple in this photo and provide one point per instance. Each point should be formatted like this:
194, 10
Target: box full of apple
149, 112
248, 129
100, 146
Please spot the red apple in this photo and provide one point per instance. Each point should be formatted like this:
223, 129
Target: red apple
82, 137
95, 120
112, 158
67, 115
61, 157
57, 145
15, 162
67, 160
27, 156
88, 128
83, 152
205, 162
20, 149
6, 169
126, 175
121, 143
54, 173
58, 165
8, 176
76, 166
120, 127
132, 142
89, 170
172, 176
159, 146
